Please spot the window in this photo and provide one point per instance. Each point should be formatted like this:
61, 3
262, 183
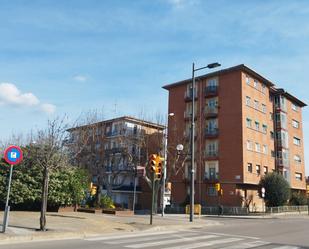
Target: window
212, 191
212, 82
256, 104
249, 166
271, 116
273, 154
263, 88
265, 170
263, 108
264, 127
265, 149
298, 176
296, 141
294, 107
272, 135
257, 125
258, 169
212, 173
247, 79
249, 123
257, 147
295, 123
249, 145
212, 148
248, 101
255, 84
297, 158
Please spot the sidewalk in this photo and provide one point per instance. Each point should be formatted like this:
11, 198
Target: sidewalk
23, 226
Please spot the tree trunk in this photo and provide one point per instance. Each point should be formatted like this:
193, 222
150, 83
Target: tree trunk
44, 199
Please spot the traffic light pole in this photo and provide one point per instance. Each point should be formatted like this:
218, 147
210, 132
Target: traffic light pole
7, 207
152, 195
192, 148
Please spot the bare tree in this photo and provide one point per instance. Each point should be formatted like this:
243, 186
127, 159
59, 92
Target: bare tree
49, 154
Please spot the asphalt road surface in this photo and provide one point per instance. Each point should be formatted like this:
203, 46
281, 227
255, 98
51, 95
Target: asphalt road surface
283, 233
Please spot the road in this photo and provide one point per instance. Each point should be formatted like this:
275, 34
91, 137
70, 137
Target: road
282, 233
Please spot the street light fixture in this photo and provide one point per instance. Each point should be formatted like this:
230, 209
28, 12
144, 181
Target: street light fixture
171, 114
210, 66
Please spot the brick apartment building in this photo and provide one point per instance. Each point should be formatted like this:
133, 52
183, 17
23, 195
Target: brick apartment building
112, 150
245, 128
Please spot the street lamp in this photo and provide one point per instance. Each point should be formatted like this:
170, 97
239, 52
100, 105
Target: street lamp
165, 162
210, 66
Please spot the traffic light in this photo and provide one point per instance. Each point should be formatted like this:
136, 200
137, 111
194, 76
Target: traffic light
159, 161
93, 190
217, 186
153, 162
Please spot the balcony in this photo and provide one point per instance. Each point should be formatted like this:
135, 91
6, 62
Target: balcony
188, 115
114, 150
280, 107
211, 112
213, 133
211, 176
188, 96
112, 133
211, 91
282, 162
211, 154
281, 143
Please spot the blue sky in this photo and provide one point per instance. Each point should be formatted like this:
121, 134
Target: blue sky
70, 56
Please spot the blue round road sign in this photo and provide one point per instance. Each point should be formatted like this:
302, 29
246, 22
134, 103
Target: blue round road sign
13, 155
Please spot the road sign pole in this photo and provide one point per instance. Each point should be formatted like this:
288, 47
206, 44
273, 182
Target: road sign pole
7, 207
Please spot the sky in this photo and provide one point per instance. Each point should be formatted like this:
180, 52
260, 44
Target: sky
67, 57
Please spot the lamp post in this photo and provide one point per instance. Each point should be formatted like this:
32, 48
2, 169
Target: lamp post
165, 162
210, 66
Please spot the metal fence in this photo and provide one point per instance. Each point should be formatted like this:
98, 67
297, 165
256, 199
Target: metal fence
222, 210
286, 209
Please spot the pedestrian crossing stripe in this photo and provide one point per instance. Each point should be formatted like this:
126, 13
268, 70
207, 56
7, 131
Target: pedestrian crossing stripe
132, 235
206, 243
247, 245
171, 241
144, 238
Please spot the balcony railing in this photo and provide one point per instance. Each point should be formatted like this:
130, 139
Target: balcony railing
211, 153
211, 133
282, 143
188, 95
211, 177
188, 114
211, 111
211, 91
114, 150
282, 162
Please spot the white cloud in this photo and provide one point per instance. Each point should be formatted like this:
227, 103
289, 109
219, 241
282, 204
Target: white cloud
10, 95
180, 3
48, 108
80, 78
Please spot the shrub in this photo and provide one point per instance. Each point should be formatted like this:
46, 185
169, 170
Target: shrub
106, 202
298, 199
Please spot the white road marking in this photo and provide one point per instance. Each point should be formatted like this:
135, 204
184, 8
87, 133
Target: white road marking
171, 241
206, 243
234, 235
137, 239
119, 236
287, 247
247, 245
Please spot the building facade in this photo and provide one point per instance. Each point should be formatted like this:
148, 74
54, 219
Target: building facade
115, 152
245, 127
